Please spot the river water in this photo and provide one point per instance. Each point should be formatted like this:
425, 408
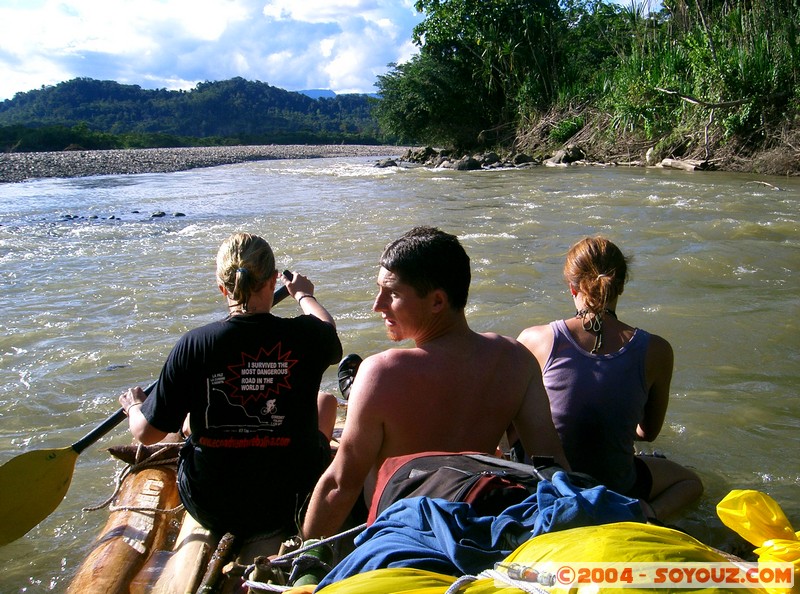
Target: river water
91, 306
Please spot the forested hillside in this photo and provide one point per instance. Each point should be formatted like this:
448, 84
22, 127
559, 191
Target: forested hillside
714, 80
104, 113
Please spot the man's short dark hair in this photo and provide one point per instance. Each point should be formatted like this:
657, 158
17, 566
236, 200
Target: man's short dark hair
427, 259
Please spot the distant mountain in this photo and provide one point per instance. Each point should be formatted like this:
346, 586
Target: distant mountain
328, 94
236, 109
318, 93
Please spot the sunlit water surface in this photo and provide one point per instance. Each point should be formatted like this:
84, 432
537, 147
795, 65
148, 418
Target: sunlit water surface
90, 306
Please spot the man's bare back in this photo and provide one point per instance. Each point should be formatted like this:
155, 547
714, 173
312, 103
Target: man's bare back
463, 391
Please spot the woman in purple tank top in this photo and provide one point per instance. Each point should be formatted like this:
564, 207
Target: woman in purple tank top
608, 384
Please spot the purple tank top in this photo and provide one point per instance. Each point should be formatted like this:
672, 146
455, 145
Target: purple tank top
597, 401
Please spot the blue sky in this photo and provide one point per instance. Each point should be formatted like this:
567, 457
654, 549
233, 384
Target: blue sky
342, 45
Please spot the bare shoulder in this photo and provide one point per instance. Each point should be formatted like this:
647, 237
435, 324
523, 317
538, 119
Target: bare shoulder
536, 334
510, 350
659, 361
379, 375
388, 362
500, 341
659, 348
538, 340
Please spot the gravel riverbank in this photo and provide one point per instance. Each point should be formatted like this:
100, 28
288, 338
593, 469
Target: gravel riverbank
16, 167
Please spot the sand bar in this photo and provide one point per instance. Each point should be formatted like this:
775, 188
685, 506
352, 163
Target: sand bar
16, 167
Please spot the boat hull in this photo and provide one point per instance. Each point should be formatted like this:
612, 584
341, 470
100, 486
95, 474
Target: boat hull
151, 545
138, 524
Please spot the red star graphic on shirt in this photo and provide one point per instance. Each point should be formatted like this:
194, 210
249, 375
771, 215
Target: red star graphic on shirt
261, 375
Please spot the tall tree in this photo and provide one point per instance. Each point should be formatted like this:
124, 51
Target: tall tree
432, 101
480, 56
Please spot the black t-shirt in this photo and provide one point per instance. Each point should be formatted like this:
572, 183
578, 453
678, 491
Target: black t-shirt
249, 383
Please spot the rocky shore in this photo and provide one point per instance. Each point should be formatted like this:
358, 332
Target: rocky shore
16, 167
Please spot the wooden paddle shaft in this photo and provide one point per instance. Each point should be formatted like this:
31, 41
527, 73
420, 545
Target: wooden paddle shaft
104, 427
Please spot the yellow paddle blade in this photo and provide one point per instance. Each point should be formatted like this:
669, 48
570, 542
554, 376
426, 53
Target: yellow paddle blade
31, 487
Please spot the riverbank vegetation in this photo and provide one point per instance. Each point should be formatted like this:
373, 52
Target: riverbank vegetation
712, 80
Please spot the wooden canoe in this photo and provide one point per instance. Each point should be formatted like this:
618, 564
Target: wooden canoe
151, 545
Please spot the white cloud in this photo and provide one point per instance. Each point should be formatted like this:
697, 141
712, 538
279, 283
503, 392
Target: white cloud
351, 61
326, 47
317, 11
338, 44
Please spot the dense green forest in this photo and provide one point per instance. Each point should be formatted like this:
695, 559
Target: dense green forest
711, 80
717, 80
96, 114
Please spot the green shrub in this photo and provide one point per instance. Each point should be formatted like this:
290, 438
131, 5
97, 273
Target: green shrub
566, 129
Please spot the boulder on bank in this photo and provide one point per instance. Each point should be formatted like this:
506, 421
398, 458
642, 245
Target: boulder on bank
420, 156
522, 159
468, 163
569, 154
445, 159
490, 159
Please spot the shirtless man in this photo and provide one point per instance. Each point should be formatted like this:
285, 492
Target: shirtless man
456, 390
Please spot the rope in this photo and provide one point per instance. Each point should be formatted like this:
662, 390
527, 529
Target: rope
148, 462
319, 543
306, 564
301, 562
460, 583
262, 587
